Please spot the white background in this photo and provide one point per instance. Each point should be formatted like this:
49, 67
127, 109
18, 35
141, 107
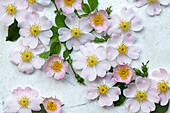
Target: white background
154, 41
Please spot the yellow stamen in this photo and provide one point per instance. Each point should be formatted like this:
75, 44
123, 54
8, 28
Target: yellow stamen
123, 72
122, 49
34, 30
163, 86
26, 55
24, 101
92, 60
103, 89
10, 9
57, 66
152, 1
32, 1
51, 105
75, 32
98, 20
125, 26
69, 2
141, 96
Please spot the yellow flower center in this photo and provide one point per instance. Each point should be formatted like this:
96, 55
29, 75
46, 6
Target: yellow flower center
163, 86
34, 30
125, 26
92, 60
56, 66
51, 106
152, 1
98, 20
11, 9
103, 89
123, 72
75, 32
122, 49
141, 95
32, 1
69, 2
26, 55
24, 101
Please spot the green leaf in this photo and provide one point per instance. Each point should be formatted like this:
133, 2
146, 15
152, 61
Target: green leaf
120, 101
41, 111
93, 4
161, 109
55, 48
66, 53
85, 7
13, 32
60, 21
45, 55
55, 34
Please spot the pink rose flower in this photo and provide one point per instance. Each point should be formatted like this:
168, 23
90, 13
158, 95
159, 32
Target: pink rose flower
126, 22
161, 82
68, 6
154, 6
23, 101
77, 34
99, 20
123, 73
141, 95
26, 58
35, 28
122, 49
12, 9
52, 105
103, 88
91, 61
56, 66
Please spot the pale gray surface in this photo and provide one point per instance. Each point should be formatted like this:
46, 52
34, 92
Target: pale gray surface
154, 41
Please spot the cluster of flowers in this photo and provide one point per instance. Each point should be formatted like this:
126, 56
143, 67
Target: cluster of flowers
26, 100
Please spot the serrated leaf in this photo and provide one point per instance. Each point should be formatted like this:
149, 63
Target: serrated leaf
55, 48
41, 111
55, 34
85, 7
161, 109
13, 32
66, 53
45, 55
60, 21
120, 101
93, 4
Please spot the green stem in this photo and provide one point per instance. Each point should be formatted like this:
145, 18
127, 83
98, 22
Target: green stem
58, 12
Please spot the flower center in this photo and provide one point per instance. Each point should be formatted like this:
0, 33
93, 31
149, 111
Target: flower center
141, 95
152, 1
51, 106
75, 32
26, 55
125, 26
163, 86
103, 89
69, 2
92, 60
32, 1
56, 66
34, 30
24, 101
11, 9
98, 20
123, 72
122, 49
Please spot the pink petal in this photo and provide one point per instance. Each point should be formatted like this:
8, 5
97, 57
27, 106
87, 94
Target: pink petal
112, 53
24, 110
45, 37
12, 104
114, 30
132, 54
147, 106
32, 17
164, 2
140, 3
15, 56
133, 105
86, 37
87, 49
109, 79
77, 4
135, 24
64, 34
59, 3
153, 9
152, 95
130, 92
129, 38
48, 70
115, 39
29, 92
127, 14
79, 61
76, 44
37, 62
84, 25
35, 7
105, 100
123, 59
102, 67
60, 74
67, 9
24, 25
44, 2
45, 23
114, 92
72, 21
89, 72
92, 93
142, 83
100, 52
160, 75
7, 20
25, 67
20, 15
39, 49
35, 104
69, 44
23, 32
30, 41
115, 19
21, 4
163, 99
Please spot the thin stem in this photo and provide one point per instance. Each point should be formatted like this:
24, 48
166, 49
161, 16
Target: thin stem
58, 12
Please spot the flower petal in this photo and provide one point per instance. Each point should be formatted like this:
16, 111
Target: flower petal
45, 23
130, 92
89, 73
25, 67
164, 2
15, 56
163, 99
100, 52
72, 21
67, 9
112, 53
30, 41
105, 100
135, 24
44, 36
64, 34
37, 62
34, 104
133, 105
86, 37
7, 20
114, 92
84, 25
142, 83
132, 53
123, 59
127, 14
147, 106
91, 93
140, 3
102, 67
